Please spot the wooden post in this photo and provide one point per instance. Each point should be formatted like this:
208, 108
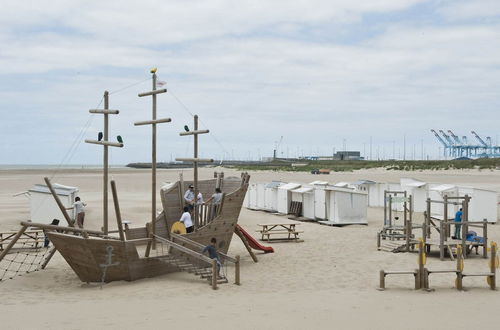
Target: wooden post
49, 256
181, 191
493, 266
417, 280
195, 168
214, 274
237, 271
117, 211
59, 203
153, 165
464, 227
105, 227
378, 241
405, 214
460, 263
13, 241
421, 264
485, 236
385, 208
445, 216
382, 280
441, 239
153, 93
408, 235
390, 209
428, 217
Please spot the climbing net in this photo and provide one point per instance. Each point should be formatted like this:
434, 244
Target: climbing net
24, 257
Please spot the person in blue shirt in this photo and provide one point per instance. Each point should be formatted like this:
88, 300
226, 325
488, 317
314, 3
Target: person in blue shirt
212, 253
458, 226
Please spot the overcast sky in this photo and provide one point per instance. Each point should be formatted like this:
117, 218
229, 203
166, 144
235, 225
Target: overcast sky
323, 74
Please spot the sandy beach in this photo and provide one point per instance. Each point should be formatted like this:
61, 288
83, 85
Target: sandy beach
327, 282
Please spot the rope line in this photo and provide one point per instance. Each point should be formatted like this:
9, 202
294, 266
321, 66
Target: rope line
201, 121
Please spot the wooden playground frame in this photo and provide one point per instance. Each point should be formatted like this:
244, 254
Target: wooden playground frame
422, 274
391, 231
445, 243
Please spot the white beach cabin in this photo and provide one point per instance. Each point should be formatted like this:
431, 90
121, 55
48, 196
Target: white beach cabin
346, 206
261, 196
285, 196
43, 207
271, 196
305, 195
437, 192
366, 186
483, 204
419, 192
251, 197
319, 199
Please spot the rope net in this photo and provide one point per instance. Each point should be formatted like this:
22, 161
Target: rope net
26, 256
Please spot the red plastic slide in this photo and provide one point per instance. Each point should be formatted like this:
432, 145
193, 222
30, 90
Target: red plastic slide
253, 242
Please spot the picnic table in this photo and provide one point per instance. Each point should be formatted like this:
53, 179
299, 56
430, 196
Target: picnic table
274, 229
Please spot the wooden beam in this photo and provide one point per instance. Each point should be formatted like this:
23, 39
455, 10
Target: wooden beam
105, 111
202, 160
151, 122
59, 203
105, 143
105, 166
245, 243
214, 274
237, 271
153, 92
198, 131
117, 211
63, 228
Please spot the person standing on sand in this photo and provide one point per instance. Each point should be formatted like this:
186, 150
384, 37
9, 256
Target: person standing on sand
458, 226
79, 207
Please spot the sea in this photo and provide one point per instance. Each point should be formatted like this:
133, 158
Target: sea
4, 167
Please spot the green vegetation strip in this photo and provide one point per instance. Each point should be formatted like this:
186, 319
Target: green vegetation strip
402, 165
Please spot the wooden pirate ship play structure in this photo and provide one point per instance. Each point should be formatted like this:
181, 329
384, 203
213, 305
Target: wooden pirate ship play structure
127, 254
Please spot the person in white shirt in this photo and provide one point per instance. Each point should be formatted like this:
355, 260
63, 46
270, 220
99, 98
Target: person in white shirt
199, 200
186, 220
79, 208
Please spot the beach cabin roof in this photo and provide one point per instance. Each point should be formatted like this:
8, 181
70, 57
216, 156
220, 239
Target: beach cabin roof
319, 183
303, 190
274, 184
444, 187
341, 184
360, 182
59, 188
290, 186
410, 182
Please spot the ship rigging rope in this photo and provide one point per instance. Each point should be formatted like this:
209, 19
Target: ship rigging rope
78, 139
201, 121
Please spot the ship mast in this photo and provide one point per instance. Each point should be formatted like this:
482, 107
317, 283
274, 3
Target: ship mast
153, 123
195, 160
103, 140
